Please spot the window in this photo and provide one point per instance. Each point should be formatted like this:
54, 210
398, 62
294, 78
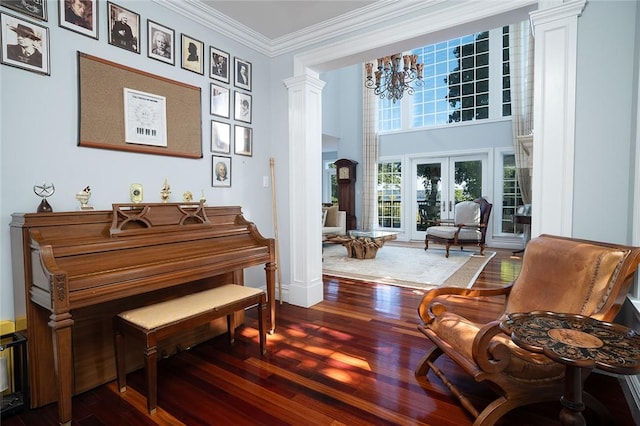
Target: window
330, 184
460, 77
511, 198
456, 81
506, 74
390, 194
388, 115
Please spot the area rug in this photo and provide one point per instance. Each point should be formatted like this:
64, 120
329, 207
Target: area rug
406, 266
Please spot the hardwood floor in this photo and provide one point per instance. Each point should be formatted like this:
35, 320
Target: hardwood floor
346, 361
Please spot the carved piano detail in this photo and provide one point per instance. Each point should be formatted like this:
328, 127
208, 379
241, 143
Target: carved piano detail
81, 268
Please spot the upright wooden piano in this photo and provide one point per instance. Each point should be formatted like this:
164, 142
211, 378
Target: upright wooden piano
81, 268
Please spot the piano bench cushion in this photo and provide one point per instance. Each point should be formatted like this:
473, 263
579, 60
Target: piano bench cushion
165, 313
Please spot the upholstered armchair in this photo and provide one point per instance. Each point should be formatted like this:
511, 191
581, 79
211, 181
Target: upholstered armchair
334, 221
559, 275
469, 227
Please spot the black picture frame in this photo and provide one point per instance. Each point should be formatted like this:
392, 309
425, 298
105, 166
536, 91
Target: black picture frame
216, 169
192, 54
242, 106
220, 137
243, 140
33, 8
80, 16
219, 64
124, 28
160, 42
220, 100
37, 36
242, 71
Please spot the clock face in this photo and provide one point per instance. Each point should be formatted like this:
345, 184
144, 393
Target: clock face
343, 173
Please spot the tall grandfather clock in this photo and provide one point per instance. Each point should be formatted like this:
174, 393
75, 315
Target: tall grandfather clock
346, 170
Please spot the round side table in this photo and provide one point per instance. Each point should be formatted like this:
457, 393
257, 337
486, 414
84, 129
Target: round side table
579, 342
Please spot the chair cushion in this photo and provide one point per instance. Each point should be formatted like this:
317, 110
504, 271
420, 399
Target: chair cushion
460, 332
565, 276
467, 213
448, 232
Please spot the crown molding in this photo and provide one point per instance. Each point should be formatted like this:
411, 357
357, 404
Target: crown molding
417, 17
219, 22
356, 20
359, 19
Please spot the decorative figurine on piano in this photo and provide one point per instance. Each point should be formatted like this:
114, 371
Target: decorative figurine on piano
165, 192
187, 196
83, 197
203, 199
44, 191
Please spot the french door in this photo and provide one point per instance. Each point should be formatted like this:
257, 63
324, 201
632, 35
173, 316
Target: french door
439, 183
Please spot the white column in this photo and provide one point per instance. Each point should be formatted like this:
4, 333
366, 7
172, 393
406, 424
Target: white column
555, 30
305, 155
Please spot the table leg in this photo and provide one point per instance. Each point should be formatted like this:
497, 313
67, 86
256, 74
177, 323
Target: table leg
571, 413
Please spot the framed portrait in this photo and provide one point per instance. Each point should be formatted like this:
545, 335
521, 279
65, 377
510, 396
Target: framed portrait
124, 28
80, 16
24, 44
192, 51
242, 107
219, 60
220, 171
33, 8
242, 73
160, 42
220, 137
243, 140
220, 100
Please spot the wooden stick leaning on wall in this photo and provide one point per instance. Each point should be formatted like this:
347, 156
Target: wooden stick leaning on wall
275, 227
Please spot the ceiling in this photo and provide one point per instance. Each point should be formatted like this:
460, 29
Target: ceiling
276, 19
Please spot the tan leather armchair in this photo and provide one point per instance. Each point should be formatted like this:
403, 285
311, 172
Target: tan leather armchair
558, 274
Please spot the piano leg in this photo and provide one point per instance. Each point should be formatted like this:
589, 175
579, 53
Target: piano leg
63, 357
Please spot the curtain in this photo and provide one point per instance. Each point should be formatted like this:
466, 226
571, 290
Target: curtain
521, 70
369, 159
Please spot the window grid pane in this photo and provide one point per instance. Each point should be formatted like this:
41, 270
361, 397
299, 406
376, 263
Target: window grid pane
451, 69
506, 76
390, 195
511, 197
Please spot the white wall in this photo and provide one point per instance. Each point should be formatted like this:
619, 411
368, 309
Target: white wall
608, 49
465, 136
39, 134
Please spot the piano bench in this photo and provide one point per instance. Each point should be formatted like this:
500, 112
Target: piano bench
154, 322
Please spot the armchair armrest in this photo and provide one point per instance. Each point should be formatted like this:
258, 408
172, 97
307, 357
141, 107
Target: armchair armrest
489, 354
429, 310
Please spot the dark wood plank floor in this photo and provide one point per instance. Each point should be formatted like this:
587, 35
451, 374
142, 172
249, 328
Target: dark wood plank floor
346, 361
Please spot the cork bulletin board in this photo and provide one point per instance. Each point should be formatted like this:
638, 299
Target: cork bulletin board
105, 89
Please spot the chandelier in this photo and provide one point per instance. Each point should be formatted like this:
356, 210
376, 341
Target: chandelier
391, 81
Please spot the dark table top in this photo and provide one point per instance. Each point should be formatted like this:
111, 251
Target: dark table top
576, 340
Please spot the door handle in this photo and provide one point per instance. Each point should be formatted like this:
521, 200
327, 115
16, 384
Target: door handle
450, 206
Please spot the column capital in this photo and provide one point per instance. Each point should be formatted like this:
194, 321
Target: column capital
303, 80
553, 13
